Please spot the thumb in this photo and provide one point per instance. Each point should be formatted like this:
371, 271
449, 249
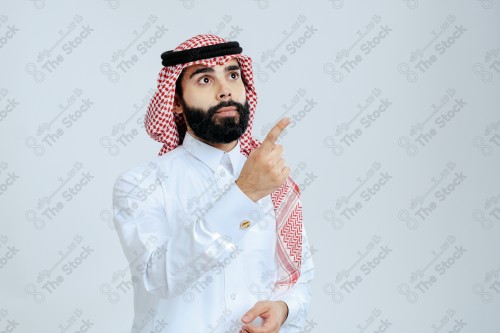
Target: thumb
259, 308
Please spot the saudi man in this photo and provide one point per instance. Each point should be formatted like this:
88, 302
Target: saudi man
212, 227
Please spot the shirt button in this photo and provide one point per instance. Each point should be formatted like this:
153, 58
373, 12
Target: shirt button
233, 296
245, 224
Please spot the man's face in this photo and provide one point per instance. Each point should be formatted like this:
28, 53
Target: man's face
214, 102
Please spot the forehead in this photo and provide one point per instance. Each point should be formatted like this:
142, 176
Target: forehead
230, 62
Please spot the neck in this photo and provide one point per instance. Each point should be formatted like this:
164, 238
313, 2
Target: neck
222, 146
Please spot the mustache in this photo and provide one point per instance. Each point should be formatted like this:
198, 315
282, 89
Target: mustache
239, 107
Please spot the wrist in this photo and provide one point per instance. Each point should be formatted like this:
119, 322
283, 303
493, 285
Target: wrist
252, 195
285, 311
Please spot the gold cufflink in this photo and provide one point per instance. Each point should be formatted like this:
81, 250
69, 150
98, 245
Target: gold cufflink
245, 224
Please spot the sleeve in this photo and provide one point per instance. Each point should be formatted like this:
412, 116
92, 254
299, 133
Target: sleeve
298, 297
168, 260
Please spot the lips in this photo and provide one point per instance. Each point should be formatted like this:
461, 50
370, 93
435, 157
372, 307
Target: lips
228, 111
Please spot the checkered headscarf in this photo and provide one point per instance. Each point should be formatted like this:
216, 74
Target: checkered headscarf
165, 126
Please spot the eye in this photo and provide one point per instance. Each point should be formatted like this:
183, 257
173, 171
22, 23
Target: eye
234, 75
204, 80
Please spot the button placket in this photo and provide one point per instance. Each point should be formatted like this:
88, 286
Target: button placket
233, 266
224, 176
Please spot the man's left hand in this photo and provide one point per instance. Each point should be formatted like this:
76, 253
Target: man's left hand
274, 314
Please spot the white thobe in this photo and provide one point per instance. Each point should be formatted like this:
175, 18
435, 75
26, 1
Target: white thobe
181, 221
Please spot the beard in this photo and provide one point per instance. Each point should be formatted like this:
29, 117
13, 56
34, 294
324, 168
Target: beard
213, 129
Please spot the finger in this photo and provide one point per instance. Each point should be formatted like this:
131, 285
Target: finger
274, 133
259, 308
275, 153
285, 172
270, 325
256, 329
280, 164
270, 151
278, 148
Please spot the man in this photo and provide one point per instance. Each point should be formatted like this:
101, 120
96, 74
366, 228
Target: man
212, 228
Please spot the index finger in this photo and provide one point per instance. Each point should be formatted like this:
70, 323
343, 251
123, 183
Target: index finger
275, 132
266, 327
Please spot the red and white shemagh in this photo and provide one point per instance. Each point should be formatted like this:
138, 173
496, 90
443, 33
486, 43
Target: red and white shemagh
165, 126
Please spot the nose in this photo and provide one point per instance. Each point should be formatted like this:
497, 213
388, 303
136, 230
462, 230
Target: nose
224, 92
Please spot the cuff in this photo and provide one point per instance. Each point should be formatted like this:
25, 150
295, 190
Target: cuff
293, 308
231, 214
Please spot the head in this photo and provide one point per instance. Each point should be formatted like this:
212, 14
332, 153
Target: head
202, 94
186, 100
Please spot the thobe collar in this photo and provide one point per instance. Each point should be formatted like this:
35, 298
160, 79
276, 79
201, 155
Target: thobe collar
209, 155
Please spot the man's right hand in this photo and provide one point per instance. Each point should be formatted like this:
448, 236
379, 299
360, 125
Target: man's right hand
264, 170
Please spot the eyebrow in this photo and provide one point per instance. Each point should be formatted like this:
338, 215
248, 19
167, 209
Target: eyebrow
211, 70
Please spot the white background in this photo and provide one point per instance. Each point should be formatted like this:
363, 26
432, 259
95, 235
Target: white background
436, 65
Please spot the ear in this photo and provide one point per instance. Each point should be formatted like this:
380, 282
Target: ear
177, 107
